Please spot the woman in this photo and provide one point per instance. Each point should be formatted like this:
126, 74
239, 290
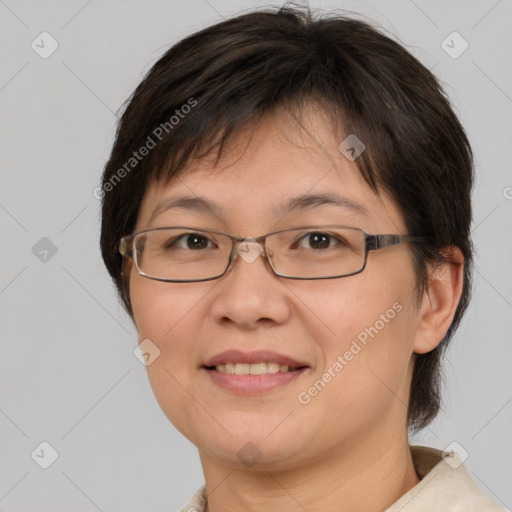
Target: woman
286, 216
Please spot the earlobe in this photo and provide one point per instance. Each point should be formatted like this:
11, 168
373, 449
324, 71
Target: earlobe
439, 301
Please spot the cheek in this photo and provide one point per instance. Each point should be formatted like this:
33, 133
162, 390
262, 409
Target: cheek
170, 316
160, 309
363, 307
371, 322
365, 362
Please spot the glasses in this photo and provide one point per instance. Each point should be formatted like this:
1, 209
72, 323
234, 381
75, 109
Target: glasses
185, 254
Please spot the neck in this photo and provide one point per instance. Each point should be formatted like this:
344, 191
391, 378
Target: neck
370, 474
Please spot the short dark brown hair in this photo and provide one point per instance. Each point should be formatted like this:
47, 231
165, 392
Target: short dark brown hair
212, 84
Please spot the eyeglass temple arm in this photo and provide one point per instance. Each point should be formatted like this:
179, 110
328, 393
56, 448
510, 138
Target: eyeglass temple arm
375, 242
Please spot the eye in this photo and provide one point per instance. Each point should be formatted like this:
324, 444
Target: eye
319, 240
191, 241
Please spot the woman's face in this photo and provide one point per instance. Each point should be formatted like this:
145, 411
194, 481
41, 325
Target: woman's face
354, 334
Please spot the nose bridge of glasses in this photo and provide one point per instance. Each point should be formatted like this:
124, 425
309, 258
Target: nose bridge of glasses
249, 249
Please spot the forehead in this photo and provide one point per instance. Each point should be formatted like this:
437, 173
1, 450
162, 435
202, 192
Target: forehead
283, 166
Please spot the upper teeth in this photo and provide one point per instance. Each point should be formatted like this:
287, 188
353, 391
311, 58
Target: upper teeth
253, 369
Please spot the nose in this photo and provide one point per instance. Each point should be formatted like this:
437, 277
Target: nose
249, 250
250, 294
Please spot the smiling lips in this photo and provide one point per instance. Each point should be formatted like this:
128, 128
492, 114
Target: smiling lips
255, 358
261, 368
252, 372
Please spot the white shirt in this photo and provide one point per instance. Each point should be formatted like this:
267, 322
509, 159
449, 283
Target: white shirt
445, 486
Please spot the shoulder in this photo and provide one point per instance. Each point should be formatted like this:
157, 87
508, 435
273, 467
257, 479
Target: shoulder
445, 485
197, 503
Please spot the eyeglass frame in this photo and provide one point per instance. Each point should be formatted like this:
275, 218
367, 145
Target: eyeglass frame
373, 242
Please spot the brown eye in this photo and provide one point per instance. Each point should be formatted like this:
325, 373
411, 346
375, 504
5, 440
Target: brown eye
319, 240
191, 241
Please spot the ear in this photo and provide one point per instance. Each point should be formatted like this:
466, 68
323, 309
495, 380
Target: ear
127, 266
439, 301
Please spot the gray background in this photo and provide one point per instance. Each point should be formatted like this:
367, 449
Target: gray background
68, 374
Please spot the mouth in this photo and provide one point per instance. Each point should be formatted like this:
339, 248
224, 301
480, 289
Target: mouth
253, 373
252, 379
261, 368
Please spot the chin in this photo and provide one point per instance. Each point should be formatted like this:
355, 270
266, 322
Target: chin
252, 450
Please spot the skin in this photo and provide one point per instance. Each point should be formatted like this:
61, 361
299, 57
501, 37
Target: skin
347, 449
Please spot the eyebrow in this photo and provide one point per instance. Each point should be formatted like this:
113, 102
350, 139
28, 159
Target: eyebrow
294, 204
